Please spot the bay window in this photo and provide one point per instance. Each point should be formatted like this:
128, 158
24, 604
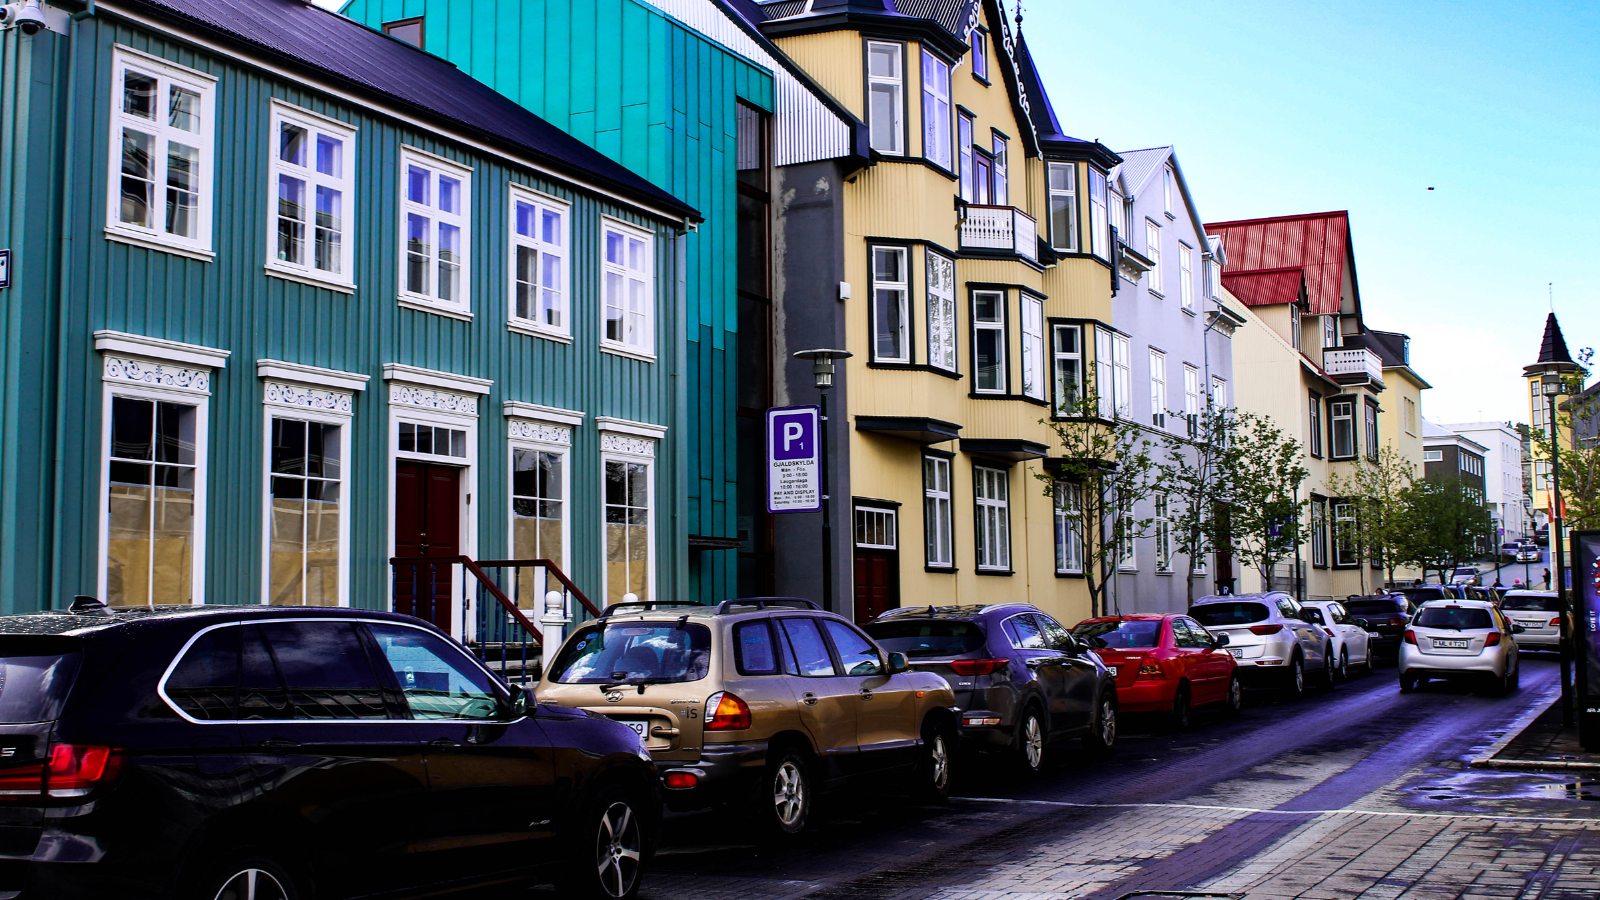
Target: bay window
1002, 189
936, 110
435, 228
890, 306
964, 151
1099, 228
989, 342
1319, 533
1343, 414
162, 154
1064, 207
886, 97
1032, 347
941, 312
1314, 444
1371, 424
1067, 356
1122, 375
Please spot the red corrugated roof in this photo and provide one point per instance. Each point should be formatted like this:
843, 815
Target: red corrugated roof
1316, 244
1265, 288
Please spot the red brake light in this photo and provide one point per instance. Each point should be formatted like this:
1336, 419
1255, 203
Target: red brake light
1149, 668
977, 666
22, 781
1411, 637
679, 781
1492, 639
71, 770
1397, 620
1555, 622
1265, 629
726, 712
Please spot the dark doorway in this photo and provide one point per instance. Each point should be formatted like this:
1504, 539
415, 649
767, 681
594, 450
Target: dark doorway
876, 591
427, 523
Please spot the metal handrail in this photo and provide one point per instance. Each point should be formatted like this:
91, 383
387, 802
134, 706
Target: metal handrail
553, 569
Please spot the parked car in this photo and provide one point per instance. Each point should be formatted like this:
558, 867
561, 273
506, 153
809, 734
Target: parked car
1528, 552
1509, 550
1270, 638
1460, 639
1423, 593
1464, 575
234, 751
1021, 680
1165, 663
1350, 640
761, 702
1385, 616
1539, 614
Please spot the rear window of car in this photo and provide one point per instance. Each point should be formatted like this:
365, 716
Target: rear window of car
753, 649
1376, 607
1530, 603
653, 652
928, 637
1456, 617
1237, 612
1140, 633
35, 677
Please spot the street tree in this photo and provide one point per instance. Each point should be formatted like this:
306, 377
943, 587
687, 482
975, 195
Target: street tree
1264, 509
1444, 524
1377, 491
1194, 472
1579, 418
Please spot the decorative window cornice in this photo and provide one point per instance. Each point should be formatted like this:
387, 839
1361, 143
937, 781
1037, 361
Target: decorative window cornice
161, 349
434, 399
539, 432
615, 442
296, 396
149, 373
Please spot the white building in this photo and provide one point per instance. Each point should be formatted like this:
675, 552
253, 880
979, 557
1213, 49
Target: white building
1502, 474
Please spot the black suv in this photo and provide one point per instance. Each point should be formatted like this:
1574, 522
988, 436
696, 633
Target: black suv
1385, 617
275, 754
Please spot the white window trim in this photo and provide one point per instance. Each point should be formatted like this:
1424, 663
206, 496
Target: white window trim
965, 124
645, 349
1070, 194
528, 429
436, 165
1186, 275
200, 247
1099, 215
1166, 191
313, 123
283, 399
1033, 345
1152, 249
620, 446
1158, 388
899, 84
998, 327
904, 287
521, 194
1163, 533
945, 501
891, 516
1057, 357
1128, 560
931, 94
1073, 520
1003, 517
1001, 146
1122, 374
945, 302
1191, 394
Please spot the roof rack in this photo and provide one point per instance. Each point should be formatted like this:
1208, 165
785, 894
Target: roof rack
727, 606
645, 605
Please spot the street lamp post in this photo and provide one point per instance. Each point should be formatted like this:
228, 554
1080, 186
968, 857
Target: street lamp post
1572, 620
822, 372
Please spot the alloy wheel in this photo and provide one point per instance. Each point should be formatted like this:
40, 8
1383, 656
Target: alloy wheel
1235, 695
789, 793
252, 884
618, 849
1344, 664
1108, 722
1032, 742
1297, 676
939, 761
1181, 709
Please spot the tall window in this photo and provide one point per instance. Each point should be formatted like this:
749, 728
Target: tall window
886, 92
1068, 534
980, 53
1122, 374
1346, 543
1158, 389
314, 185
936, 109
1064, 206
627, 529
1408, 410
151, 502
1166, 191
1104, 380
890, 301
538, 263
628, 293
936, 512
1099, 228
941, 312
538, 514
307, 510
1067, 356
1152, 249
162, 148
1163, 523
1294, 325
1127, 554
1002, 189
1319, 533
1343, 414
434, 224
964, 153
1330, 331
1219, 393
1032, 347
989, 342
1186, 275
1314, 441
991, 494
1371, 424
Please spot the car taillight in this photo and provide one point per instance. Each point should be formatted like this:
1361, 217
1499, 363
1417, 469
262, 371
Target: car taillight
1265, 629
71, 770
726, 712
1149, 669
1555, 622
977, 666
1411, 637
1397, 621
1492, 639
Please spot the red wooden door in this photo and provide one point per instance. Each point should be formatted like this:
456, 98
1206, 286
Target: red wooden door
876, 590
427, 523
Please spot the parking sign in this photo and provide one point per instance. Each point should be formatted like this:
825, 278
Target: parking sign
794, 459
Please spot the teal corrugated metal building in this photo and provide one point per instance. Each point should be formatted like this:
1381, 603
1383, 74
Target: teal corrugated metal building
660, 98
149, 375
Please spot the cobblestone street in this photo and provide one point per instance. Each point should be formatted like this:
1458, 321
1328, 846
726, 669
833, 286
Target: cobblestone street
1361, 793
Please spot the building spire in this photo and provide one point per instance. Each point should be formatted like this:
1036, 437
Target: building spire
1554, 347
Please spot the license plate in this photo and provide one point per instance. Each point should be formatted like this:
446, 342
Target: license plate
638, 725
1112, 670
1236, 651
1453, 645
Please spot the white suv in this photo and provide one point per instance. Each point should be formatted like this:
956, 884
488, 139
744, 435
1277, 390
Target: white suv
1270, 637
1460, 639
1539, 613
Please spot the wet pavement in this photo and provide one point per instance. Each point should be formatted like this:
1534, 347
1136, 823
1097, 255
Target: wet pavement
1358, 792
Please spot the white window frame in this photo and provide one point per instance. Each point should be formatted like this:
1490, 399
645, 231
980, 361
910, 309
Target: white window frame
1314, 407
1319, 533
941, 291
888, 138
1369, 427
1128, 555
1345, 512
1099, 227
885, 525
1191, 399
1152, 249
1067, 198
1158, 388
1219, 393
436, 167
1330, 332
642, 346
1334, 418
995, 511
1122, 374
902, 288
1433, 456
542, 204
1294, 325
1185, 275
998, 327
938, 512
964, 126
1002, 179
1068, 541
649, 464
937, 124
1033, 349
1163, 535
979, 42
327, 408
1104, 381
546, 434
316, 126
1063, 361
167, 75
1166, 191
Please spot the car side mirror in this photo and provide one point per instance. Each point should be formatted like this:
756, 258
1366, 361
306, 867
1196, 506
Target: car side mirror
519, 700
1220, 640
898, 663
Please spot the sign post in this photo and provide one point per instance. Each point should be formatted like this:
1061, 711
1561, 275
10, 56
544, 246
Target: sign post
794, 459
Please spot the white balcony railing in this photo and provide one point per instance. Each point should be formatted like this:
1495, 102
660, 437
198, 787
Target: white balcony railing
1359, 361
1000, 228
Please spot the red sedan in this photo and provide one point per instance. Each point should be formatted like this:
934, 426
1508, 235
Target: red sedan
1164, 663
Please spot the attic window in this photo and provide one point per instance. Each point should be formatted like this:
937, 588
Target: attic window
408, 30
980, 55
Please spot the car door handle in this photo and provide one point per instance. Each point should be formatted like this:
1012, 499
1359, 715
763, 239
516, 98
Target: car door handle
809, 698
279, 743
663, 731
866, 694
443, 743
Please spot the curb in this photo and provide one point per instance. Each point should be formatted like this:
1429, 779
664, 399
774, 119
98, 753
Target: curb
1486, 760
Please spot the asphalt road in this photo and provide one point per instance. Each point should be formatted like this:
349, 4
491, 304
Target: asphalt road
1360, 791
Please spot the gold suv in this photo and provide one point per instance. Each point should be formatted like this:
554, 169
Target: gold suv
762, 702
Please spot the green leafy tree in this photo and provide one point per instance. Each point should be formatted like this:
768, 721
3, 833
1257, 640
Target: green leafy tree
1444, 524
1263, 478
1194, 470
1577, 419
1377, 490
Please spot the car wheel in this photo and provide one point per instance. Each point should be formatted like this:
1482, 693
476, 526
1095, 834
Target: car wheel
938, 756
1181, 709
248, 875
608, 848
1028, 744
1102, 736
1343, 672
783, 802
1409, 683
1330, 669
1366, 666
1295, 681
1235, 702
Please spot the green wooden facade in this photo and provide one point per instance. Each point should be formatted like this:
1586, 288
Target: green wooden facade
70, 281
660, 98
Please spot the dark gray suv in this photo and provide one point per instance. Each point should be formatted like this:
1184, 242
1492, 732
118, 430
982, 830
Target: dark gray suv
1021, 680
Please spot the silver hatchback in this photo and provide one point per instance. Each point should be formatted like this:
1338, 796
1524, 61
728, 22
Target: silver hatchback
1539, 614
1460, 639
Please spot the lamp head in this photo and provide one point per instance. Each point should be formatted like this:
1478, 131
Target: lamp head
822, 365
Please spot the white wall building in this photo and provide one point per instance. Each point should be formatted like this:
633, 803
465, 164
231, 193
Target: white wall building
1502, 474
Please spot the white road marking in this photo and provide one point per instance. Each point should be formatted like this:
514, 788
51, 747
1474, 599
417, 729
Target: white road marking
1277, 812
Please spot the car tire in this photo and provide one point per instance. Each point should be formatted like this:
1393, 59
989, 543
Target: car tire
1027, 745
1102, 736
1295, 679
610, 832
248, 874
1330, 670
784, 797
1343, 672
937, 763
1367, 666
1409, 683
1182, 715
1234, 704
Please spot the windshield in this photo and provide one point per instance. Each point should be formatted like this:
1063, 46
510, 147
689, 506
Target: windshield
1456, 617
656, 652
927, 637
1464, 571
1423, 595
1238, 612
1135, 634
1530, 603
1374, 607
34, 682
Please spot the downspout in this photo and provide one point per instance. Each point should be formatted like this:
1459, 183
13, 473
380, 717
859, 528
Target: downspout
680, 416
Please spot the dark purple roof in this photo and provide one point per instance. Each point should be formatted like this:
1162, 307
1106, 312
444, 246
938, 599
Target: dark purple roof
1554, 346
376, 63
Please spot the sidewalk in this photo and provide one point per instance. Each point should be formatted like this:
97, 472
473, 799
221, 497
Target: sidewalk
1537, 741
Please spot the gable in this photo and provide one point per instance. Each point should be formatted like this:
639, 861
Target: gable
1318, 245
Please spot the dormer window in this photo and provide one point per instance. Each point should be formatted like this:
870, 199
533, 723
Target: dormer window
1294, 325
980, 55
1330, 331
886, 97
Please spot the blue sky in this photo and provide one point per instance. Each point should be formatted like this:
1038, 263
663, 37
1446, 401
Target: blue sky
1278, 108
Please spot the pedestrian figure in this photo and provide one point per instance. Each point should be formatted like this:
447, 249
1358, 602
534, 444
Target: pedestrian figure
1497, 582
1516, 585
1547, 579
